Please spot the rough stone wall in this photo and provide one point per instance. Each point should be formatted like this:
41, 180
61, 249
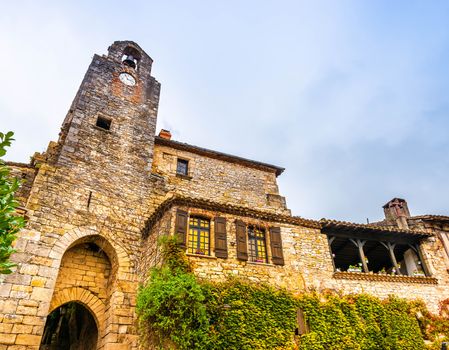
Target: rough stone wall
431, 294
25, 173
213, 268
308, 263
218, 180
441, 230
86, 267
150, 247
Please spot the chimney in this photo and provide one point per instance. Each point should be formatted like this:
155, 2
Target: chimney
396, 211
165, 134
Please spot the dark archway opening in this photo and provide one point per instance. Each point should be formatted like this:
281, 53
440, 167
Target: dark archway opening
70, 327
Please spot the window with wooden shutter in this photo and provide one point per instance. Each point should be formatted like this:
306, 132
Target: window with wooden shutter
199, 236
276, 246
221, 247
257, 245
240, 228
181, 227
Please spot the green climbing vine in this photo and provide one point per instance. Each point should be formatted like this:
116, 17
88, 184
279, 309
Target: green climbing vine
177, 310
10, 223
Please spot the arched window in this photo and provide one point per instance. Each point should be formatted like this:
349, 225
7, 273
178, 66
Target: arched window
131, 57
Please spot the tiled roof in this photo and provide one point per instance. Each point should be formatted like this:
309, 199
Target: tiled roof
323, 224
431, 217
226, 208
326, 223
218, 155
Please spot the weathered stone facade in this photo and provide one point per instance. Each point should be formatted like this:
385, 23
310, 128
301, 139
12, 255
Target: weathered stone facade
98, 199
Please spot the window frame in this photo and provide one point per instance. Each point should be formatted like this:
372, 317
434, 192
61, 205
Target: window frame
198, 235
253, 238
186, 163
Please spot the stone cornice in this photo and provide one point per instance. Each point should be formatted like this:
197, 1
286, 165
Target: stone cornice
225, 208
384, 278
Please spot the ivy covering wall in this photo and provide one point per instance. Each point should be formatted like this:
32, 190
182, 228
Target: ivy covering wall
176, 310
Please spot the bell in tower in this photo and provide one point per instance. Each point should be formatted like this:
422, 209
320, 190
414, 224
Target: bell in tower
131, 57
130, 61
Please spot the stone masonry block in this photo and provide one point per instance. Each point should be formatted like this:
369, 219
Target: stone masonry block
28, 339
7, 338
5, 289
117, 346
41, 294
26, 310
17, 278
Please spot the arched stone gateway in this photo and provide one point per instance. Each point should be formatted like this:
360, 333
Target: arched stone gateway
94, 273
116, 253
71, 326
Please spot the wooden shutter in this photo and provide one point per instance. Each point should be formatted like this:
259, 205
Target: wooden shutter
240, 228
303, 327
181, 227
276, 246
221, 247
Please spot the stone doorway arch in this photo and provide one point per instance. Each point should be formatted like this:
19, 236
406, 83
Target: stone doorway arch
71, 326
95, 270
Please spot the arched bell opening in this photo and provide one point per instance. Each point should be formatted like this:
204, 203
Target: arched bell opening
131, 57
70, 327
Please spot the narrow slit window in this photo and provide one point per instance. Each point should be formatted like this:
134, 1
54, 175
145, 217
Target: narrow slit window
182, 167
104, 123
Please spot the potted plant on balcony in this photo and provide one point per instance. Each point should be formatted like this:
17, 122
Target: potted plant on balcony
418, 273
355, 268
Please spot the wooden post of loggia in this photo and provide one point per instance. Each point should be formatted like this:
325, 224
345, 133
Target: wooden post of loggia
390, 246
359, 244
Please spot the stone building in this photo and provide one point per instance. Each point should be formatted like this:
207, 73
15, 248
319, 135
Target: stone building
98, 199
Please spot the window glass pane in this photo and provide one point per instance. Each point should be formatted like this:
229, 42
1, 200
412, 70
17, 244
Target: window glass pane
182, 167
199, 236
257, 245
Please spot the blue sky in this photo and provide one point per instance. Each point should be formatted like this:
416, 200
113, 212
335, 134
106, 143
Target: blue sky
351, 97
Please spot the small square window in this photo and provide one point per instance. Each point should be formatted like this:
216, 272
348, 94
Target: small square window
103, 123
182, 167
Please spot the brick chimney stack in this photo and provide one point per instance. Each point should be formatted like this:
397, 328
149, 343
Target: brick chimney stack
165, 134
396, 211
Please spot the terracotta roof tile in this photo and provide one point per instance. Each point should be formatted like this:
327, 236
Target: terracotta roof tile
226, 208
431, 217
370, 227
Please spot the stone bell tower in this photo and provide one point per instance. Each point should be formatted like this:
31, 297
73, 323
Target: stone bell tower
77, 257
112, 119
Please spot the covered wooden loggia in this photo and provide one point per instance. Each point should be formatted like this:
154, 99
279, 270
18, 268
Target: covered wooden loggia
375, 249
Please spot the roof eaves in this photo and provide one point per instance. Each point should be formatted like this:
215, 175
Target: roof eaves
218, 155
431, 217
227, 208
344, 224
